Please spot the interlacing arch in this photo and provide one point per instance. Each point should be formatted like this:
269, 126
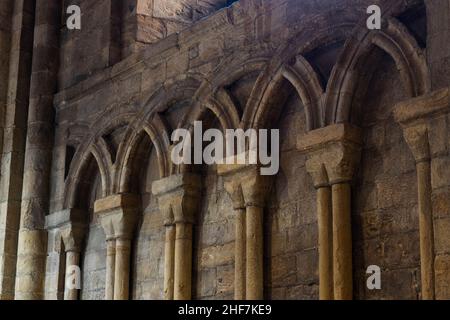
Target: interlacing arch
158, 133
94, 150
323, 106
213, 96
150, 123
288, 65
398, 43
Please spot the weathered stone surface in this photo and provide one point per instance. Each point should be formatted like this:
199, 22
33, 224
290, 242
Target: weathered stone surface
87, 116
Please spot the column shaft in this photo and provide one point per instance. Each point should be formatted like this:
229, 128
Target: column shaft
426, 229
342, 242
122, 270
254, 241
72, 259
240, 253
31, 264
16, 44
169, 256
39, 145
183, 261
325, 243
110, 268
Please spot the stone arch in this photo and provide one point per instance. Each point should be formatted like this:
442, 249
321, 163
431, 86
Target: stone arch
212, 96
289, 66
150, 122
219, 103
94, 147
397, 42
158, 133
75, 185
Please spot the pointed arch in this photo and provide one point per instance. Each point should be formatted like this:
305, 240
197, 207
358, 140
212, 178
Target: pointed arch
157, 132
289, 65
88, 164
94, 148
212, 94
397, 42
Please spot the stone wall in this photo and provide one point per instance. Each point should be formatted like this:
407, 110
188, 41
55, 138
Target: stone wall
93, 48
138, 70
158, 19
291, 227
386, 225
148, 260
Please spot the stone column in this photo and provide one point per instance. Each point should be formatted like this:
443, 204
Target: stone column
178, 198
325, 227
169, 262
118, 215
240, 254
72, 259
335, 149
122, 268
248, 190
420, 118
38, 152
183, 261
254, 253
169, 247
73, 236
16, 43
438, 46
233, 187
67, 229
110, 267
417, 139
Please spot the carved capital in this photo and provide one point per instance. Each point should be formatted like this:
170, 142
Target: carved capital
234, 189
118, 215
178, 197
71, 225
333, 153
417, 139
318, 172
72, 236
245, 184
416, 116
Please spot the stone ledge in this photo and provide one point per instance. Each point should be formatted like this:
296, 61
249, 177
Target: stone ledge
231, 169
177, 182
317, 139
118, 201
61, 218
414, 110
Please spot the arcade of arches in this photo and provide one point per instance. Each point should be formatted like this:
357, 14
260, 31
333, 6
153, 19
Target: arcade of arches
87, 115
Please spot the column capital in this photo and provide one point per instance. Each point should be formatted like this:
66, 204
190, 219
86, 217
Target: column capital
232, 185
178, 197
333, 153
245, 184
415, 117
318, 173
72, 236
417, 139
118, 215
71, 225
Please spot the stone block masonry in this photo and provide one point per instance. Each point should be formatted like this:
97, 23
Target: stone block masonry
87, 179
